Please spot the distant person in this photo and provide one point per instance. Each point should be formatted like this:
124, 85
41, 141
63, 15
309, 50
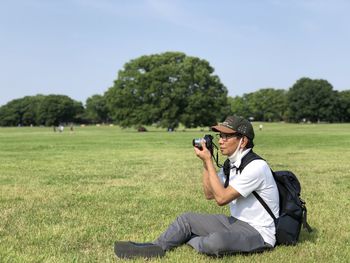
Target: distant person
260, 127
249, 228
61, 128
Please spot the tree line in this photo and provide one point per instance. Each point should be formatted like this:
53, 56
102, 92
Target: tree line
308, 100
172, 88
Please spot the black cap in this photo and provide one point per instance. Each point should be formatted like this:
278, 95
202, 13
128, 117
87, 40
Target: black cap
234, 124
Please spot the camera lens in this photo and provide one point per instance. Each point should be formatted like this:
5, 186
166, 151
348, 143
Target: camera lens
197, 143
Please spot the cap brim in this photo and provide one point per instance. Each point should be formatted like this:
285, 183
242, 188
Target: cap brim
223, 129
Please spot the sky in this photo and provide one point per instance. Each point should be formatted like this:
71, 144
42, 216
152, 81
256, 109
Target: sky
77, 47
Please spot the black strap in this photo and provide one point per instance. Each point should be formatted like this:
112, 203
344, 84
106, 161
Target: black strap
250, 156
267, 208
262, 202
215, 157
227, 168
305, 223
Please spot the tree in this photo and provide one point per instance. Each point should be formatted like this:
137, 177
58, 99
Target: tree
56, 109
239, 106
8, 115
263, 105
312, 100
267, 104
344, 106
96, 109
167, 89
30, 106
21, 111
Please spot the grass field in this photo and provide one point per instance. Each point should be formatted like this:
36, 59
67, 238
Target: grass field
66, 197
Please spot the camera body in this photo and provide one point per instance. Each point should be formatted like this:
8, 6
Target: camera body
210, 146
208, 142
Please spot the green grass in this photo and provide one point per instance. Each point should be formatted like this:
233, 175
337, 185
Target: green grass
66, 197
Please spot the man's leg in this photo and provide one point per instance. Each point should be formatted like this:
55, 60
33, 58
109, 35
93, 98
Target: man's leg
240, 238
209, 234
188, 225
179, 232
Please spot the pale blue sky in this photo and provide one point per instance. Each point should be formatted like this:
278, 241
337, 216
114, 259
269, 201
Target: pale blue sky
77, 47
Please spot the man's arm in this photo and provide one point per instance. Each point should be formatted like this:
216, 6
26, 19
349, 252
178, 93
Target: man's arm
213, 188
206, 185
221, 195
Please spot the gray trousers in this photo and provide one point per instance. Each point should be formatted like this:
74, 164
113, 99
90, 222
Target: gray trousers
212, 234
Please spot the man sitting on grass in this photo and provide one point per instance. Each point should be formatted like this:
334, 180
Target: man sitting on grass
249, 228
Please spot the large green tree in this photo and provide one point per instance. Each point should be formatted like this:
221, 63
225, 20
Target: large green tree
263, 105
96, 109
238, 106
56, 109
267, 104
344, 106
23, 111
312, 100
9, 115
167, 89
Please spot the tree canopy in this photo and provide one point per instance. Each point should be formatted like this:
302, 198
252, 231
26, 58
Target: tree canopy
40, 110
312, 100
263, 105
343, 111
96, 110
23, 111
56, 109
167, 89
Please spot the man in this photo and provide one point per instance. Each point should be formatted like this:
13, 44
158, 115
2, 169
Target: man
249, 228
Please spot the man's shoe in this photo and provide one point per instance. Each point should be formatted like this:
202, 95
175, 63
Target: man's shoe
128, 249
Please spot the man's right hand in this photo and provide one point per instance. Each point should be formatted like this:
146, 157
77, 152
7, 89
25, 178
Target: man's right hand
204, 154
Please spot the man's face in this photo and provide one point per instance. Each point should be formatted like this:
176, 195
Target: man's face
228, 143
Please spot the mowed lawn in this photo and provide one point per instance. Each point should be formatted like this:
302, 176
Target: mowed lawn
66, 197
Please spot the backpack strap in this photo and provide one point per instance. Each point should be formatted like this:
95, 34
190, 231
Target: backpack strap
304, 216
262, 202
267, 208
249, 157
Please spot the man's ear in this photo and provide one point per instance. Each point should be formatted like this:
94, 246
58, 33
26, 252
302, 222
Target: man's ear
245, 141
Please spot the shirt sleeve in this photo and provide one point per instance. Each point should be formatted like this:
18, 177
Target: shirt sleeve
250, 179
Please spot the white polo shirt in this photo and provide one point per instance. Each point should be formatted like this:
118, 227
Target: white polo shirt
256, 176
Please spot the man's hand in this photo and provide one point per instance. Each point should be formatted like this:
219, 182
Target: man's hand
204, 154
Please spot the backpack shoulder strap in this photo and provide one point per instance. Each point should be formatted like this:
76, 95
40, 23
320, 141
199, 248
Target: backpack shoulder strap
267, 208
245, 161
249, 157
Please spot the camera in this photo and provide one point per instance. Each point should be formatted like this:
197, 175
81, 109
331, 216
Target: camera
210, 145
208, 142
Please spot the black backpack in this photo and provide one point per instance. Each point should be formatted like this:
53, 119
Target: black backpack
293, 211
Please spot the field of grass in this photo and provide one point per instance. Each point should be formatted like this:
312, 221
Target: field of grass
66, 197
